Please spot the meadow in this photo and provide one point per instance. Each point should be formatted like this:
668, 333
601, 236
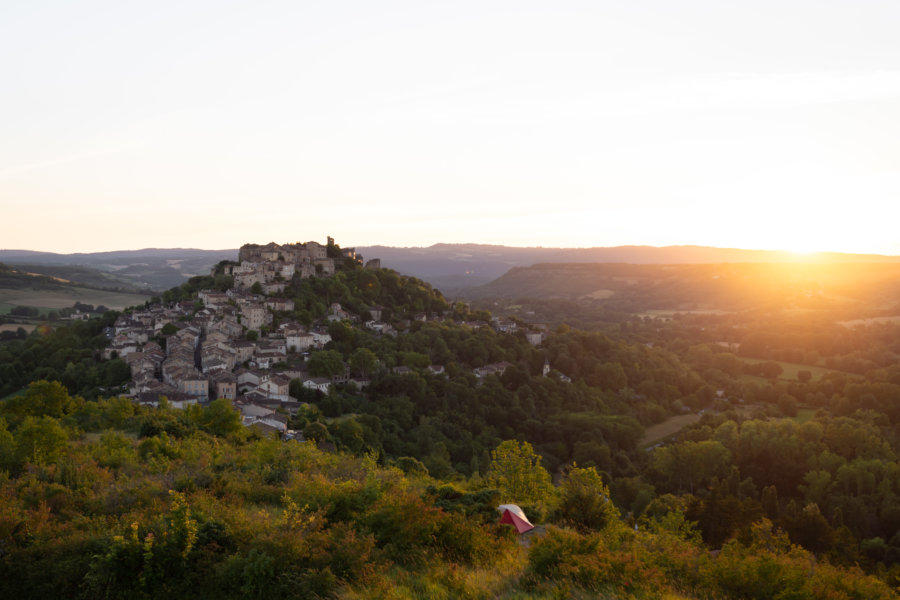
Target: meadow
791, 369
666, 429
61, 298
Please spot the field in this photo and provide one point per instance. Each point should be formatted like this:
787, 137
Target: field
791, 370
670, 426
15, 326
56, 299
668, 313
601, 294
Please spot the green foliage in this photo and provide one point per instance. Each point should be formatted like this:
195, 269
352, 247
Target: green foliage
363, 361
42, 398
66, 354
114, 450
40, 440
517, 473
681, 467
264, 517
8, 454
326, 363
411, 466
584, 500
220, 418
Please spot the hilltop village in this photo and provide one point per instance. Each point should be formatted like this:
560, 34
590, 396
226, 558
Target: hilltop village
236, 343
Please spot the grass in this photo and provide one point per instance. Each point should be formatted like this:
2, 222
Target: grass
47, 300
6, 307
804, 415
791, 369
667, 428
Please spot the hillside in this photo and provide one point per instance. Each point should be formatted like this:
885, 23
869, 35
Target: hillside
732, 287
149, 269
21, 287
457, 267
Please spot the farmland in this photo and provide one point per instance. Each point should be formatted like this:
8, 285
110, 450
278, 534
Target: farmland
53, 299
791, 369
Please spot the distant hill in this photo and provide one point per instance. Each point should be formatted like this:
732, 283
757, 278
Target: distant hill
20, 287
147, 269
456, 267
723, 286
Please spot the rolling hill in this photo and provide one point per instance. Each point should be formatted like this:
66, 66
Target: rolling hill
738, 286
148, 269
457, 267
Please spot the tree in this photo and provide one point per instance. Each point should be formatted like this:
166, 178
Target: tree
585, 501
414, 360
7, 448
256, 288
326, 363
40, 441
221, 418
363, 361
169, 329
771, 369
316, 432
43, 398
516, 471
684, 466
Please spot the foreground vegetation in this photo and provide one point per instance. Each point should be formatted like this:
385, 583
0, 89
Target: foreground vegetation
169, 503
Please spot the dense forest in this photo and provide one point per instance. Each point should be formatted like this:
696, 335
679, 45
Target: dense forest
784, 483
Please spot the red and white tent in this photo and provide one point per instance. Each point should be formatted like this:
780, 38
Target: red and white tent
511, 514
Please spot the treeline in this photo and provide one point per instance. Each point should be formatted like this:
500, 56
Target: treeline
32, 312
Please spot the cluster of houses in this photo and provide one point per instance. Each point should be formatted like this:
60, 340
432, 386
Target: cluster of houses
206, 355
197, 350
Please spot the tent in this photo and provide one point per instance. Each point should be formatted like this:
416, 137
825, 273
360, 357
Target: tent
513, 515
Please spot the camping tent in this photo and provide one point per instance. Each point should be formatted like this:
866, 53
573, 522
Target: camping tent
513, 515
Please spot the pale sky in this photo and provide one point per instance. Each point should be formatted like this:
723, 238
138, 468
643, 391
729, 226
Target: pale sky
208, 124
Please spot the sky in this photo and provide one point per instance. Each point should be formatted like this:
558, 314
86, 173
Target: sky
209, 124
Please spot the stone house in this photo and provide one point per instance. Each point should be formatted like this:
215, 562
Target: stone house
223, 385
321, 384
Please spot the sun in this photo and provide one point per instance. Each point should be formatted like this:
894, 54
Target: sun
802, 249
